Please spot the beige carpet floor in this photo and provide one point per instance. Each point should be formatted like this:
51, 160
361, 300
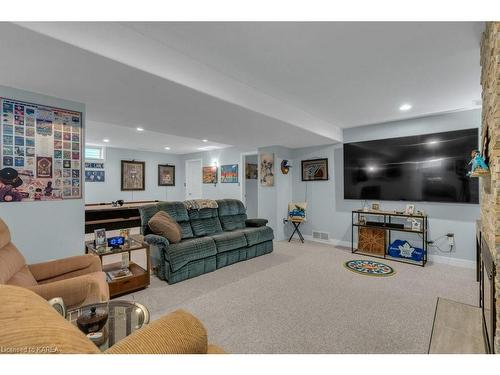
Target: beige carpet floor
300, 299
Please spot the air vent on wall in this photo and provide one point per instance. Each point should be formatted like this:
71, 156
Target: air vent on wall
320, 236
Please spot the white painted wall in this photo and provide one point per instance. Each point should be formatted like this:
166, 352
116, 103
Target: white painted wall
110, 190
328, 211
220, 157
273, 200
50, 229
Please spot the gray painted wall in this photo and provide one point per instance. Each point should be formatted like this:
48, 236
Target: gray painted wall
251, 190
224, 156
110, 190
50, 229
328, 211
273, 200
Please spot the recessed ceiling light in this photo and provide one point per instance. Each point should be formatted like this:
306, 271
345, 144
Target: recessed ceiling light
204, 140
140, 129
105, 140
405, 107
167, 148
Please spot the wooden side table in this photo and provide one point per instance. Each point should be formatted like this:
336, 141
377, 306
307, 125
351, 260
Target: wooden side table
140, 277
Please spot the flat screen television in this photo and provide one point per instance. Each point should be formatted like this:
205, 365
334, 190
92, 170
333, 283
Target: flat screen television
430, 167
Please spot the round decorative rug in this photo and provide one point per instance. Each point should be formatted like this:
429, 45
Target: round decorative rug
369, 267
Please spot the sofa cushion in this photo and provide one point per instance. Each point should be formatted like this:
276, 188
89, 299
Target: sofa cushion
256, 222
23, 278
205, 221
188, 250
4, 234
162, 224
11, 262
227, 241
229, 207
258, 235
232, 214
146, 213
175, 209
179, 213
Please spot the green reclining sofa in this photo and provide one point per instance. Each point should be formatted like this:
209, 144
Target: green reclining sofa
211, 238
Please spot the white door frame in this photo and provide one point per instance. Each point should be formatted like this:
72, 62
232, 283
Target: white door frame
243, 173
186, 175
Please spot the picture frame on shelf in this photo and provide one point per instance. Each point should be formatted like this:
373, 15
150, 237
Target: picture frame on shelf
410, 209
133, 175
315, 169
166, 175
100, 240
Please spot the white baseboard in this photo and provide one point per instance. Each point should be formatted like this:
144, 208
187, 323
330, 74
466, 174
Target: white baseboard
457, 262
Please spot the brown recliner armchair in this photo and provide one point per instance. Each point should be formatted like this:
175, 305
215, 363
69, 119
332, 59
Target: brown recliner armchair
79, 280
31, 326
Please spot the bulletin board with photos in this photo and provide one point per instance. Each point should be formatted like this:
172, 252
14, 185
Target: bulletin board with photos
40, 153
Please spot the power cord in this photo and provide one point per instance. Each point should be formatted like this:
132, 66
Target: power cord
432, 243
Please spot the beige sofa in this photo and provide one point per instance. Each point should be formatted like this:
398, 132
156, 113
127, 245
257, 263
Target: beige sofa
79, 280
31, 326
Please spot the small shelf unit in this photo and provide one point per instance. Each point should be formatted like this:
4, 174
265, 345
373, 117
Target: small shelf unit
388, 225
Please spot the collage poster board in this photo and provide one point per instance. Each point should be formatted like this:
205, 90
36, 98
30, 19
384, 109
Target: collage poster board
40, 152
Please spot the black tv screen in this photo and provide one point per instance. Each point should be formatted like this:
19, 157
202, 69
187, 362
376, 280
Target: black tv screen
430, 167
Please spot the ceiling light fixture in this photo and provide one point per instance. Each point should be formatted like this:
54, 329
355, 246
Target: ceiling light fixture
167, 148
204, 140
405, 107
105, 140
140, 129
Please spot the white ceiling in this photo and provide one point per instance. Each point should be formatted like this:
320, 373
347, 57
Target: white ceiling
147, 140
115, 93
346, 73
247, 84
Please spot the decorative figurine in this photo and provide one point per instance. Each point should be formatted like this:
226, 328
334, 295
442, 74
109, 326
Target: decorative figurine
479, 167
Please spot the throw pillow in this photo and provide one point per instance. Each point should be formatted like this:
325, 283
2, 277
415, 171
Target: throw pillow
164, 225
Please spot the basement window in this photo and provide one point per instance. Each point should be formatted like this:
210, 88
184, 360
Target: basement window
94, 152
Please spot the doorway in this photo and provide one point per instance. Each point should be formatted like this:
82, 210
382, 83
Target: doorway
193, 179
251, 196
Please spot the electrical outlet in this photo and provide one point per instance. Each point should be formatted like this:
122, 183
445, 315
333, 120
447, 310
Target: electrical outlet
451, 239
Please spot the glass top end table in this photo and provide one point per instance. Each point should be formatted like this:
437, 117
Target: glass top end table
124, 317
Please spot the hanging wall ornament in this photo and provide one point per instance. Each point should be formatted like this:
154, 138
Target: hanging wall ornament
285, 167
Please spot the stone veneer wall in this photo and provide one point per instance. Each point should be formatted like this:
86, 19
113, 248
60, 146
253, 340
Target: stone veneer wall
490, 202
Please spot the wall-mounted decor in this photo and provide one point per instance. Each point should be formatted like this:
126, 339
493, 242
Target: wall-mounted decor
94, 176
133, 175
229, 173
251, 171
285, 166
315, 170
166, 175
93, 165
267, 169
40, 152
210, 175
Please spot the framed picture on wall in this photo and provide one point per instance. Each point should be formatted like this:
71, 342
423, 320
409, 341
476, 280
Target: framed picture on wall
166, 175
229, 173
315, 170
209, 175
251, 171
266, 169
133, 175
